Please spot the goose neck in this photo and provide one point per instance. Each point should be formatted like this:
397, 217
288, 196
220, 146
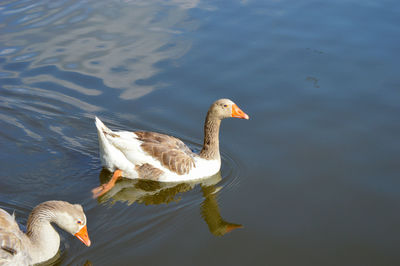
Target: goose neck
43, 239
210, 149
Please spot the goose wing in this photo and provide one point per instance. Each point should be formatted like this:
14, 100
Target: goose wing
171, 152
144, 147
11, 240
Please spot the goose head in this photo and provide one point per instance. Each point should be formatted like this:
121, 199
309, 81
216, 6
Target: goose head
225, 108
71, 218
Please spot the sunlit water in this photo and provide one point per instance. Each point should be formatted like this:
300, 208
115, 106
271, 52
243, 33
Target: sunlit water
311, 179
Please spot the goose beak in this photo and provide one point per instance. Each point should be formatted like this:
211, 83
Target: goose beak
236, 112
83, 236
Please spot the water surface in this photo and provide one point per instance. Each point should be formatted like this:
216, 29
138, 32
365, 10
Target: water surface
311, 179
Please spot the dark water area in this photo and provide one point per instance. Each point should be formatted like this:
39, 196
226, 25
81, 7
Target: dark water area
313, 178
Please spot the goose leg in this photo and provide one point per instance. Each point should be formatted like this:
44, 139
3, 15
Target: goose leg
98, 191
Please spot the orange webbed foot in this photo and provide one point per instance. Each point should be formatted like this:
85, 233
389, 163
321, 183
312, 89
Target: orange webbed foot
101, 190
98, 191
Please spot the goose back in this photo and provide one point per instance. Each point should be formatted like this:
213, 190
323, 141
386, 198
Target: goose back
12, 250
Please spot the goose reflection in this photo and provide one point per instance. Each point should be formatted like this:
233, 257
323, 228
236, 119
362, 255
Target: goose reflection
150, 192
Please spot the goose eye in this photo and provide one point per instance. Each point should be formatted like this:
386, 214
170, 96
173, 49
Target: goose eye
79, 222
225, 105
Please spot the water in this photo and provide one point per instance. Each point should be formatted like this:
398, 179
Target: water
312, 177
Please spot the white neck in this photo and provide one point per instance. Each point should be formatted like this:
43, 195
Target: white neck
44, 241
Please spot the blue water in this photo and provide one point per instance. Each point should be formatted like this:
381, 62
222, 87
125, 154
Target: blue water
313, 176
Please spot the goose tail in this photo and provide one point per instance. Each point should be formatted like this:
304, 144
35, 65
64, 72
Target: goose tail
105, 147
101, 128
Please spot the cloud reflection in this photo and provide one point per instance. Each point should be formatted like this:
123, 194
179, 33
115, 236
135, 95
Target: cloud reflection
119, 42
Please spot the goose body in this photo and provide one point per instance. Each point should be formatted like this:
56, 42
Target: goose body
151, 155
41, 241
159, 157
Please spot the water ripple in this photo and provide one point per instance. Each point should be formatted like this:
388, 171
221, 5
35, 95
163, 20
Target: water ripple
120, 51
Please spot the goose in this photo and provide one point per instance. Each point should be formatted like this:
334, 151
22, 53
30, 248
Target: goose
41, 241
160, 157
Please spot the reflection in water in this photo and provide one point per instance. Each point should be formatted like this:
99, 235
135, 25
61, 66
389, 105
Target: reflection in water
211, 214
59, 59
88, 263
84, 45
152, 193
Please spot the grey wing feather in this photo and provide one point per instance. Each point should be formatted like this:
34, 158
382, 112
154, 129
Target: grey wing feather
12, 249
170, 151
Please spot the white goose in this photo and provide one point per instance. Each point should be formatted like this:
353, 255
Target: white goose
41, 241
155, 156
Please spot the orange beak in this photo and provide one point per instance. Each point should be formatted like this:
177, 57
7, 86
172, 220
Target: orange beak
236, 112
83, 236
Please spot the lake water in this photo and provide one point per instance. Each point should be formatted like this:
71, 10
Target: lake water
313, 177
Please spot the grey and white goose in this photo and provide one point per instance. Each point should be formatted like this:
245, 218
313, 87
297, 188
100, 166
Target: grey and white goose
41, 241
155, 156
